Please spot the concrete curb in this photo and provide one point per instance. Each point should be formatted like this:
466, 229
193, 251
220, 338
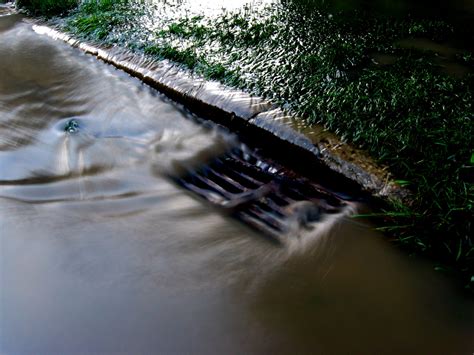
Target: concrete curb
238, 110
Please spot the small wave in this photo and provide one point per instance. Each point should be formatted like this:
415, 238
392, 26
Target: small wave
177, 152
304, 236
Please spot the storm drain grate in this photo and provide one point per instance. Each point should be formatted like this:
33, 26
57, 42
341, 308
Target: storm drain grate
262, 193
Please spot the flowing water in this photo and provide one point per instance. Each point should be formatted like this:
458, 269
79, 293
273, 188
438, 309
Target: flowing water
100, 253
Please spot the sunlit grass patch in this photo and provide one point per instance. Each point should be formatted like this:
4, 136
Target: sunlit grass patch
95, 19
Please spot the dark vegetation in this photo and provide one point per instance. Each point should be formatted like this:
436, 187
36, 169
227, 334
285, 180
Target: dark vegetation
400, 87
47, 7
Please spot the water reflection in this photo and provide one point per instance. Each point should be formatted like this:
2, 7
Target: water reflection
100, 253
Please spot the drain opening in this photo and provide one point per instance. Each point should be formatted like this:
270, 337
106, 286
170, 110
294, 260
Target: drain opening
261, 193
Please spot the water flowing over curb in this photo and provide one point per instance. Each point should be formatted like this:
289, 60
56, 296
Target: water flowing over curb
236, 109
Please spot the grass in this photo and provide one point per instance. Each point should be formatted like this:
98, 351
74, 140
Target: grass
100, 17
353, 73
47, 7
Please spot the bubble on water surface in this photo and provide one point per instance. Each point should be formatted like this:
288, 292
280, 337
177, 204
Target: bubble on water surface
72, 127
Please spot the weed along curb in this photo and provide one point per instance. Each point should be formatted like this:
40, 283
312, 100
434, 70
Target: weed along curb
253, 117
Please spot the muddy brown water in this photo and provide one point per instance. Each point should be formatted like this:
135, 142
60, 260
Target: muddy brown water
101, 254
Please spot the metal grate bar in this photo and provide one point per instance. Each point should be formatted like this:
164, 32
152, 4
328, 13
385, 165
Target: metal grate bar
260, 192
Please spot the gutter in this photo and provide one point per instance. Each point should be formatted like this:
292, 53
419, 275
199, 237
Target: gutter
253, 118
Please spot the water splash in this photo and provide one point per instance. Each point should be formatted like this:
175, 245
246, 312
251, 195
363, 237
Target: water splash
308, 229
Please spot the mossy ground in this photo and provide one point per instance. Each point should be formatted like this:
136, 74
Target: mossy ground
363, 77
